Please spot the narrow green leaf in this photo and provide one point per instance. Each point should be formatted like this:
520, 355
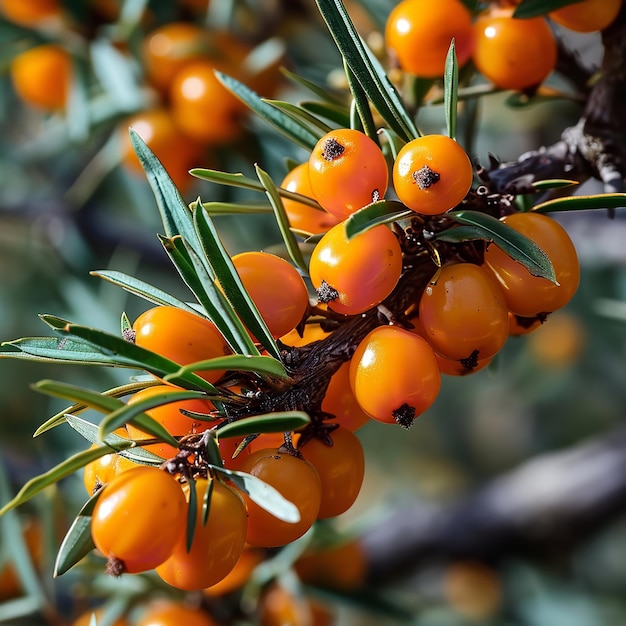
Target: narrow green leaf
142, 289
266, 496
375, 214
321, 91
79, 407
534, 8
206, 503
554, 183
295, 130
277, 422
239, 180
192, 511
54, 475
581, 203
175, 213
77, 542
202, 284
367, 69
91, 432
92, 399
318, 127
462, 233
361, 105
289, 238
232, 208
121, 353
450, 89
234, 289
334, 113
227, 178
265, 365
516, 245
135, 413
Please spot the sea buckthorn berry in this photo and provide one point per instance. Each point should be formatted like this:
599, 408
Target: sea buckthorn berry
170, 416
347, 171
42, 75
171, 613
394, 375
560, 342
519, 325
177, 151
531, 296
340, 464
10, 581
103, 470
168, 48
340, 401
432, 174
513, 53
418, 34
354, 275
278, 606
340, 566
451, 367
587, 16
216, 545
310, 333
138, 519
202, 106
32, 12
464, 313
181, 336
276, 288
239, 575
303, 217
296, 480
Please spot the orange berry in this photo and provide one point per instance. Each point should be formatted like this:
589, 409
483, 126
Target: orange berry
587, 16
354, 275
347, 170
432, 174
418, 34
513, 53
42, 75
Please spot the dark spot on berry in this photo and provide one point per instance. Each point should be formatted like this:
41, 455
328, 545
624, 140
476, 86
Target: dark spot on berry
404, 415
332, 149
326, 293
425, 177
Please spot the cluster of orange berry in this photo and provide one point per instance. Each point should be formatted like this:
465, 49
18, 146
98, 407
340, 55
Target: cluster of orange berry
512, 53
186, 110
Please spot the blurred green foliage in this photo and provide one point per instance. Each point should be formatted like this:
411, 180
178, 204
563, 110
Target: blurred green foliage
67, 207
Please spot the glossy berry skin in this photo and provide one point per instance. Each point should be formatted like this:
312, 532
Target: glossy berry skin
168, 48
587, 16
202, 107
138, 519
175, 149
297, 481
354, 275
31, 12
432, 174
216, 546
394, 375
347, 171
303, 217
239, 575
340, 401
276, 288
513, 53
464, 313
103, 470
418, 35
341, 467
42, 76
172, 613
180, 336
528, 295
168, 415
